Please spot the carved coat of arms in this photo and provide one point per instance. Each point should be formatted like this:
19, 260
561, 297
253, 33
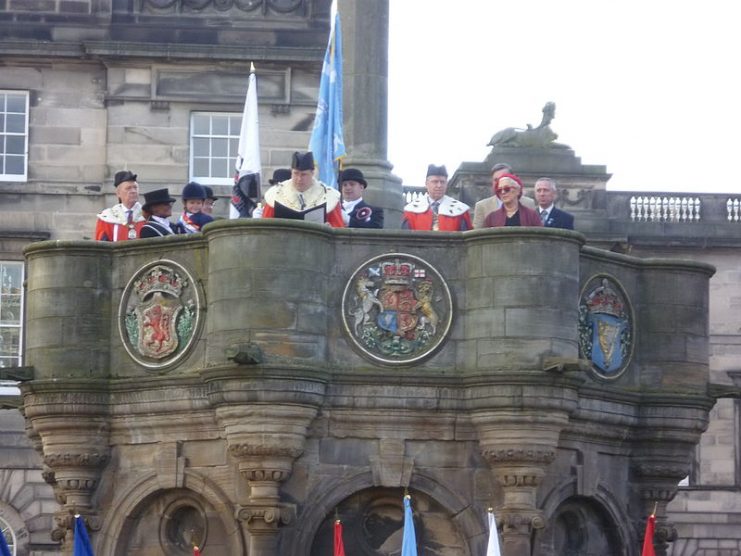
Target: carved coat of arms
605, 326
396, 308
158, 314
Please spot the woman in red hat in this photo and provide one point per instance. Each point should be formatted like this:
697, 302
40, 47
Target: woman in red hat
508, 188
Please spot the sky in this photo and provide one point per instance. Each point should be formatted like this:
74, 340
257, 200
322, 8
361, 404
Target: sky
649, 88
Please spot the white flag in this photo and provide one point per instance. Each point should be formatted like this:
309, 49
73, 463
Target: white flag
246, 190
492, 548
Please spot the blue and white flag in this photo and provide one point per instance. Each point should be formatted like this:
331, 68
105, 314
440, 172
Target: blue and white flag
246, 191
409, 540
4, 548
82, 546
327, 142
492, 549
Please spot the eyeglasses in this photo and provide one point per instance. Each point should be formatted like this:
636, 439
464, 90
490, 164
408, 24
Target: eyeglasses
506, 189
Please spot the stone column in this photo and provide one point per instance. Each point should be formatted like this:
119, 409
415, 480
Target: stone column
365, 73
265, 422
72, 423
518, 422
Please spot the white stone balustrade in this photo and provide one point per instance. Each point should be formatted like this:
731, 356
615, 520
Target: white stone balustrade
733, 207
664, 209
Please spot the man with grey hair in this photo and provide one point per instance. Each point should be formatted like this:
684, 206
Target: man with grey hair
545, 195
486, 206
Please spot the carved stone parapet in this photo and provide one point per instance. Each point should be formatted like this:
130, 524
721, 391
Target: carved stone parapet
666, 471
509, 455
245, 450
75, 459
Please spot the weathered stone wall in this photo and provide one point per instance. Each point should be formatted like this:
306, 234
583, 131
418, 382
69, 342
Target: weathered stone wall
272, 419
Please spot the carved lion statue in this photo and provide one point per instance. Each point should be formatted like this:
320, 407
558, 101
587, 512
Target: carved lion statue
542, 136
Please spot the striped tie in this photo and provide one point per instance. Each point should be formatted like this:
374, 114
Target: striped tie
435, 221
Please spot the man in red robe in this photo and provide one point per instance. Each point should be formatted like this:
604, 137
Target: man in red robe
123, 221
295, 197
435, 210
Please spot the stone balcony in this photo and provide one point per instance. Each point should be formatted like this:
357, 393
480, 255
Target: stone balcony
241, 387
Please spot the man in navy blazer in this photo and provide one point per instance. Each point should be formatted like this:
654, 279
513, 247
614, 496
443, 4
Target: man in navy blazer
355, 211
545, 195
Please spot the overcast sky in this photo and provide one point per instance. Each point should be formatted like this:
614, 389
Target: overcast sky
648, 88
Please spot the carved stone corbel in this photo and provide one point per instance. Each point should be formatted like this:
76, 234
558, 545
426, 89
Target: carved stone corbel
70, 428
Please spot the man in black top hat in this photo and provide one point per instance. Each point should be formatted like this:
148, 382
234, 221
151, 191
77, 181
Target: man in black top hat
303, 192
280, 175
122, 221
356, 212
158, 209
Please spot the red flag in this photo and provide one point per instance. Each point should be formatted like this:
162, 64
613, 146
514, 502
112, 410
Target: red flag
196, 551
648, 539
339, 546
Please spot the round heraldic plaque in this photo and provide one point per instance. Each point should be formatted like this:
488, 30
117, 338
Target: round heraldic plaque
605, 326
159, 314
397, 309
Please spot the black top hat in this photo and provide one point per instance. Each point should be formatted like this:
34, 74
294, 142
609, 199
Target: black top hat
302, 161
433, 170
279, 175
122, 176
156, 197
194, 190
352, 174
210, 193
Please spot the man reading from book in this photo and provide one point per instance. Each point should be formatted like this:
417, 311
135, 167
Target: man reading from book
302, 197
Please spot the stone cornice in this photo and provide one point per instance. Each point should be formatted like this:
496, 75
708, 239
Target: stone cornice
122, 49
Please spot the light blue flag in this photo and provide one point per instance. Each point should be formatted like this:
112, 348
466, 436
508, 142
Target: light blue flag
409, 540
327, 142
82, 546
4, 548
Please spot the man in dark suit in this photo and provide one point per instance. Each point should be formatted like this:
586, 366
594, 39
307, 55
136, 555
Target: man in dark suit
157, 209
356, 212
545, 195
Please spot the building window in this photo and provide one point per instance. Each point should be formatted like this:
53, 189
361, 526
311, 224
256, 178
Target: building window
11, 313
13, 135
9, 535
214, 140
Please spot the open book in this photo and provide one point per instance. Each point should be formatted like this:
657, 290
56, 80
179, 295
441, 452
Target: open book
314, 214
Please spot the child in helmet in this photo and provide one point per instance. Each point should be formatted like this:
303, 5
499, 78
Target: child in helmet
192, 219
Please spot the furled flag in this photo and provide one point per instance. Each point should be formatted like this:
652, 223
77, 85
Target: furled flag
246, 189
339, 546
82, 546
409, 540
492, 549
327, 142
648, 538
4, 548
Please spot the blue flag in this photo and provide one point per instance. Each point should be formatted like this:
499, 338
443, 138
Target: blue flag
327, 142
4, 548
82, 546
409, 540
